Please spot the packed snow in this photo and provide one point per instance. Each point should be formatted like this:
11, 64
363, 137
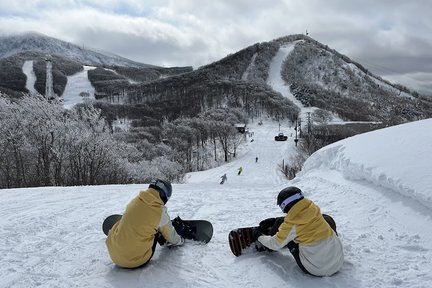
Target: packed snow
377, 186
275, 78
30, 75
278, 84
78, 88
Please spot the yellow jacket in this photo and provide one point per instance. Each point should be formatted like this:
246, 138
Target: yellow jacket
130, 240
320, 249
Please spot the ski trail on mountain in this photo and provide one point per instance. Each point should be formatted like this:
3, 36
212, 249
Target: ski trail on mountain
275, 78
27, 69
278, 84
77, 84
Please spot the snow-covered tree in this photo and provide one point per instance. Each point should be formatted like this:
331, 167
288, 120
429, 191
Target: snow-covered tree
43, 144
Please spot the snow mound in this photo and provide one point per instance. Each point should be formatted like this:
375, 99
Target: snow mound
393, 158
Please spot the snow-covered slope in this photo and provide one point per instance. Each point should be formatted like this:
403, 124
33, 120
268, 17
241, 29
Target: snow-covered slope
77, 84
279, 85
31, 77
51, 237
384, 158
78, 88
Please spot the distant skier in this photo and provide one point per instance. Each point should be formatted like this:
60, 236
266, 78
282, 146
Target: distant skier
256, 159
240, 170
310, 236
131, 242
224, 179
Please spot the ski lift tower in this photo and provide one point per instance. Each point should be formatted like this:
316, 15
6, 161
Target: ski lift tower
49, 91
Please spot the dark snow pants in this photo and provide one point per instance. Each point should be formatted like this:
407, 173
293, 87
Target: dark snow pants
270, 227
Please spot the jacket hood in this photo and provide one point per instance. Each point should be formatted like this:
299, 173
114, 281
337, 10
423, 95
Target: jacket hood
155, 199
296, 213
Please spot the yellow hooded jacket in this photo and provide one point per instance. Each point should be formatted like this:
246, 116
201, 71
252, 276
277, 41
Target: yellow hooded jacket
320, 249
130, 240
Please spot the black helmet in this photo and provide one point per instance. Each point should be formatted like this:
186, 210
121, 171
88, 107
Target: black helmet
163, 187
288, 197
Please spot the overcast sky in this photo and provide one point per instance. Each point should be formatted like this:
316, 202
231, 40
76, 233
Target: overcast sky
392, 38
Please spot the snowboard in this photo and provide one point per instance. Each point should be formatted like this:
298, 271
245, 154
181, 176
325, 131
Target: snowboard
197, 230
109, 222
242, 238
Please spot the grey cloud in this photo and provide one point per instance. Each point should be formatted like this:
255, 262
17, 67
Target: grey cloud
389, 37
160, 52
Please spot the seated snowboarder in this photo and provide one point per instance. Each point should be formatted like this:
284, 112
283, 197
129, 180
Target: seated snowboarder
131, 242
310, 236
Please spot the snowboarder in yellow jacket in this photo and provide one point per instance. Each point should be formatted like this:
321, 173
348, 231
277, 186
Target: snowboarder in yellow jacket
310, 236
131, 242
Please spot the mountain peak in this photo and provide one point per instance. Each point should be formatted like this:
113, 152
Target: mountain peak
37, 42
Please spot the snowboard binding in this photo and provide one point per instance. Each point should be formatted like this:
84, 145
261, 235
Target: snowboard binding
182, 228
242, 238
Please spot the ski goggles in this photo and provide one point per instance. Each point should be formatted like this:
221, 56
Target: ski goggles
290, 199
162, 187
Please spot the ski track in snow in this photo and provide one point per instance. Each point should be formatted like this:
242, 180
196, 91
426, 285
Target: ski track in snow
76, 84
275, 78
31, 77
51, 237
279, 85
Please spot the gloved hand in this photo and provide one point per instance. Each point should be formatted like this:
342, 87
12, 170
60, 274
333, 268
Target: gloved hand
260, 247
267, 223
256, 232
181, 242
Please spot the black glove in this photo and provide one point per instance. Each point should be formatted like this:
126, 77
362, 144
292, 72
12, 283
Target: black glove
266, 225
256, 232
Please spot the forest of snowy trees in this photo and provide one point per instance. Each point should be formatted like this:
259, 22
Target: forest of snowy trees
43, 144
